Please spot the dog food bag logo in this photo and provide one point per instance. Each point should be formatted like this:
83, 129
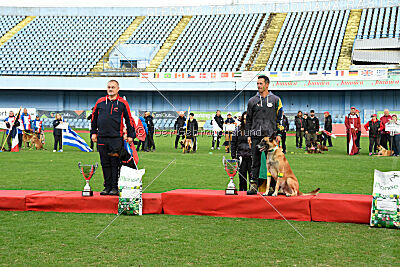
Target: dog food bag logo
130, 191
385, 210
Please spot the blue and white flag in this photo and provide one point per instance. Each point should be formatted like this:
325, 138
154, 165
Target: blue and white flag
71, 138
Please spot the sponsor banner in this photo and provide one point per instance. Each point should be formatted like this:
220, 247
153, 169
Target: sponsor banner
385, 210
67, 114
169, 114
4, 112
247, 76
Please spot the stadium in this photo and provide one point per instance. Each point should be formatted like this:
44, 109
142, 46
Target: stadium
325, 56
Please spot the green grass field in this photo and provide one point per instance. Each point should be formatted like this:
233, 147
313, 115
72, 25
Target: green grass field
39, 238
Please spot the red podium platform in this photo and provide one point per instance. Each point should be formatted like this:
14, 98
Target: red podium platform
70, 201
345, 208
216, 203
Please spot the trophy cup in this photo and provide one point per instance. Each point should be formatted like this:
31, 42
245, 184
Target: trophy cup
87, 171
231, 167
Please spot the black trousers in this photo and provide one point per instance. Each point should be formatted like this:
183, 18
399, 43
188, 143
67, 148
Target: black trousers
358, 139
373, 143
256, 163
57, 141
327, 137
283, 140
217, 139
244, 170
143, 144
20, 135
150, 140
385, 138
194, 140
299, 138
110, 164
179, 135
9, 138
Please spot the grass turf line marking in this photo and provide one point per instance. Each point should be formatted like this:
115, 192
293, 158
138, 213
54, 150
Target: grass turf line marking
280, 214
173, 161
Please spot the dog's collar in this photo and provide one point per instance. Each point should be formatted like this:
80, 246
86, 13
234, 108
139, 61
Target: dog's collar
275, 148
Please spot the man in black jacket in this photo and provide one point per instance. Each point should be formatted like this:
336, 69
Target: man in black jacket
192, 129
264, 118
150, 135
107, 130
285, 124
374, 127
218, 125
179, 127
328, 128
311, 129
299, 122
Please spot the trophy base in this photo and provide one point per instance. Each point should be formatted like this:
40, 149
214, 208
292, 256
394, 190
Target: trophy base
230, 191
87, 193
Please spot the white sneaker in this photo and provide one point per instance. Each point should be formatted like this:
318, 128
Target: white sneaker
54, 151
60, 150
218, 148
212, 148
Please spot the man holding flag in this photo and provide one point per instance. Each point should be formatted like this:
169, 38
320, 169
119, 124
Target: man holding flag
107, 130
12, 124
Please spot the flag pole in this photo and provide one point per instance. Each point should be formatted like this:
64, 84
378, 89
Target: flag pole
187, 124
9, 132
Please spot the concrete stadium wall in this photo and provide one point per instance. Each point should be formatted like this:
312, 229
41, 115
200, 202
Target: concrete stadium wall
336, 102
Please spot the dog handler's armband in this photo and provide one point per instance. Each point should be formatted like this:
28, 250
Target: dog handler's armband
280, 174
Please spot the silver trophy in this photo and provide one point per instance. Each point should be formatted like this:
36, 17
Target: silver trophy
87, 171
231, 167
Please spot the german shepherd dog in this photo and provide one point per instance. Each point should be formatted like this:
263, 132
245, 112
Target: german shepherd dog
187, 145
278, 168
36, 142
382, 152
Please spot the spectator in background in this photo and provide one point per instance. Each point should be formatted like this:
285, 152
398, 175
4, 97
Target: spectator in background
240, 149
151, 146
373, 127
12, 126
179, 127
385, 136
359, 130
396, 137
218, 125
311, 129
328, 128
145, 143
57, 133
192, 129
352, 123
299, 122
285, 124
89, 118
228, 132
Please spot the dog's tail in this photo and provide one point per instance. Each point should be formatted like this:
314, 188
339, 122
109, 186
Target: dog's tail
312, 193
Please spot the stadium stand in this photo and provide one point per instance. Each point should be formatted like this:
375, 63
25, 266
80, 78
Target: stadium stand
154, 30
379, 23
8, 22
315, 40
212, 43
60, 45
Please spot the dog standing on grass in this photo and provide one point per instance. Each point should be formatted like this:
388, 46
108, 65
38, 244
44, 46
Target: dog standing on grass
278, 168
187, 145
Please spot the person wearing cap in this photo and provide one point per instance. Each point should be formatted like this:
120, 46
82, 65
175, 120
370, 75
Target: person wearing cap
352, 123
228, 132
37, 126
192, 129
179, 127
299, 122
396, 137
385, 136
311, 128
217, 124
373, 127
328, 128
264, 119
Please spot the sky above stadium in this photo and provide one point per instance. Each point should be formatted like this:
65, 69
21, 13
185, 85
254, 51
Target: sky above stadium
130, 3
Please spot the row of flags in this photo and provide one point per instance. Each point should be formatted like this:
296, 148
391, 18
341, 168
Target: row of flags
367, 74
